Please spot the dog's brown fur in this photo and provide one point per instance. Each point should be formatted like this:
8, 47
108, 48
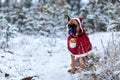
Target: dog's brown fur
75, 60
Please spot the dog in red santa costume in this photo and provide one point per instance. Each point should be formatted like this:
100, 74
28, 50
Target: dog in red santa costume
78, 43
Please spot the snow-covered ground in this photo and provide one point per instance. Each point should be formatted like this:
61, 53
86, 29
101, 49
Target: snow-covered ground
43, 57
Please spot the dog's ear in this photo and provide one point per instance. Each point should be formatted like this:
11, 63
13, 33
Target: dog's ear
66, 16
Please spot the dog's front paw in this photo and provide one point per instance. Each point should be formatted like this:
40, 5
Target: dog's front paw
80, 69
72, 71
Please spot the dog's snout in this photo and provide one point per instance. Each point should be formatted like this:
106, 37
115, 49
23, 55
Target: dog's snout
72, 29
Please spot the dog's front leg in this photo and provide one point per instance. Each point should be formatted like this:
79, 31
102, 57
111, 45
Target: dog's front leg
72, 70
81, 64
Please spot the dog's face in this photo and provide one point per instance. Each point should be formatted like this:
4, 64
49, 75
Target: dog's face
73, 27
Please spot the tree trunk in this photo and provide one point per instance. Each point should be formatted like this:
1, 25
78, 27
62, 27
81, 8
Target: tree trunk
113, 1
0, 3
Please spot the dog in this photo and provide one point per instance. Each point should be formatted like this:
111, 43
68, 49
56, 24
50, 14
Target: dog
78, 44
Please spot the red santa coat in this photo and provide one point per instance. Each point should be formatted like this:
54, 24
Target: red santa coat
83, 44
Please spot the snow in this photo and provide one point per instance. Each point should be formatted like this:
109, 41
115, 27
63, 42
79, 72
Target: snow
85, 1
43, 57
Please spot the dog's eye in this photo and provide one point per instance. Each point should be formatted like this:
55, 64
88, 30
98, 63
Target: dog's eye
69, 25
72, 25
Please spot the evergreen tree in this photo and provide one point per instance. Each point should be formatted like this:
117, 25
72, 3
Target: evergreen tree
101, 15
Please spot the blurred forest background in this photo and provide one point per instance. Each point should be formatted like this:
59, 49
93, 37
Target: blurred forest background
46, 17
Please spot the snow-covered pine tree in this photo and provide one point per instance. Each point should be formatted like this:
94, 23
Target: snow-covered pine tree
101, 15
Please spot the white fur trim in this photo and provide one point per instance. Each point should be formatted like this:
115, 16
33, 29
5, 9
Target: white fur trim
81, 55
79, 23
